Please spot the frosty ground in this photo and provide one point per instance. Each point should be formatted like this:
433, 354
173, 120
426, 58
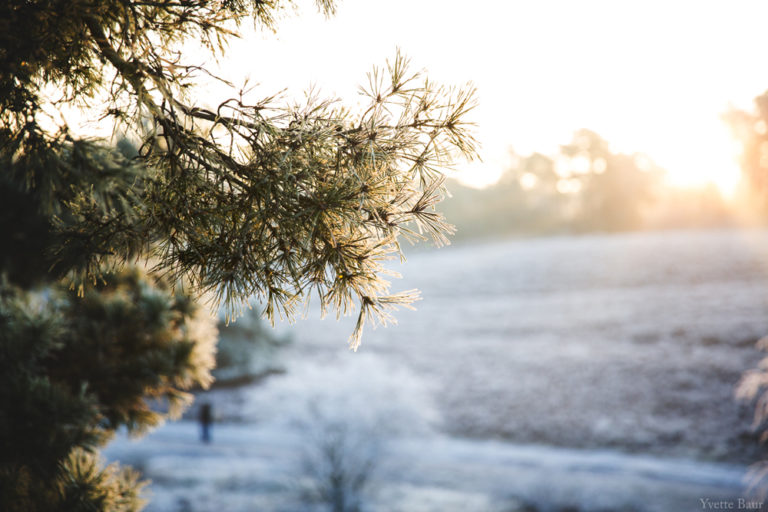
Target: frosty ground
595, 372
259, 468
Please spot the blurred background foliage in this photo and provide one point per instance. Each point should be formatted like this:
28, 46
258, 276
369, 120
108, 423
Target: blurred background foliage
584, 186
247, 349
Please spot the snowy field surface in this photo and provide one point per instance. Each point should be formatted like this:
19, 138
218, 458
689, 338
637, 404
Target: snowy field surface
592, 372
261, 468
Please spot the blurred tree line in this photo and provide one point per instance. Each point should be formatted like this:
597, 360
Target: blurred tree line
584, 187
750, 129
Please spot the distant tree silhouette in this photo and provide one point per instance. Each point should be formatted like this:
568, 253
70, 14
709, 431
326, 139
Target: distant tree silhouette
613, 187
585, 186
751, 130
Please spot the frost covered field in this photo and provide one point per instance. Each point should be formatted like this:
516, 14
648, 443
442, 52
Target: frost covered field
592, 372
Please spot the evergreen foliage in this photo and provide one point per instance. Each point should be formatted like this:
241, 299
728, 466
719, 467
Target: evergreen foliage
248, 198
75, 368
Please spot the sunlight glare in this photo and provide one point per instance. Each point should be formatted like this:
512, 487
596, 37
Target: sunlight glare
705, 154
542, 70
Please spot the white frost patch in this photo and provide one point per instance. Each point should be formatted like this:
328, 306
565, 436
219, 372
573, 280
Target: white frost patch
364, 391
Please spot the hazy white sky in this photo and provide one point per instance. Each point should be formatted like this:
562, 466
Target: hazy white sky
648, 76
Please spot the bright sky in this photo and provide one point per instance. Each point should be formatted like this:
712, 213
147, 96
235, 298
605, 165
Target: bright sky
650, 76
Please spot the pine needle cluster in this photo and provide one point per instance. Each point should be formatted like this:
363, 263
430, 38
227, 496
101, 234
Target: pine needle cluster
235, 199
